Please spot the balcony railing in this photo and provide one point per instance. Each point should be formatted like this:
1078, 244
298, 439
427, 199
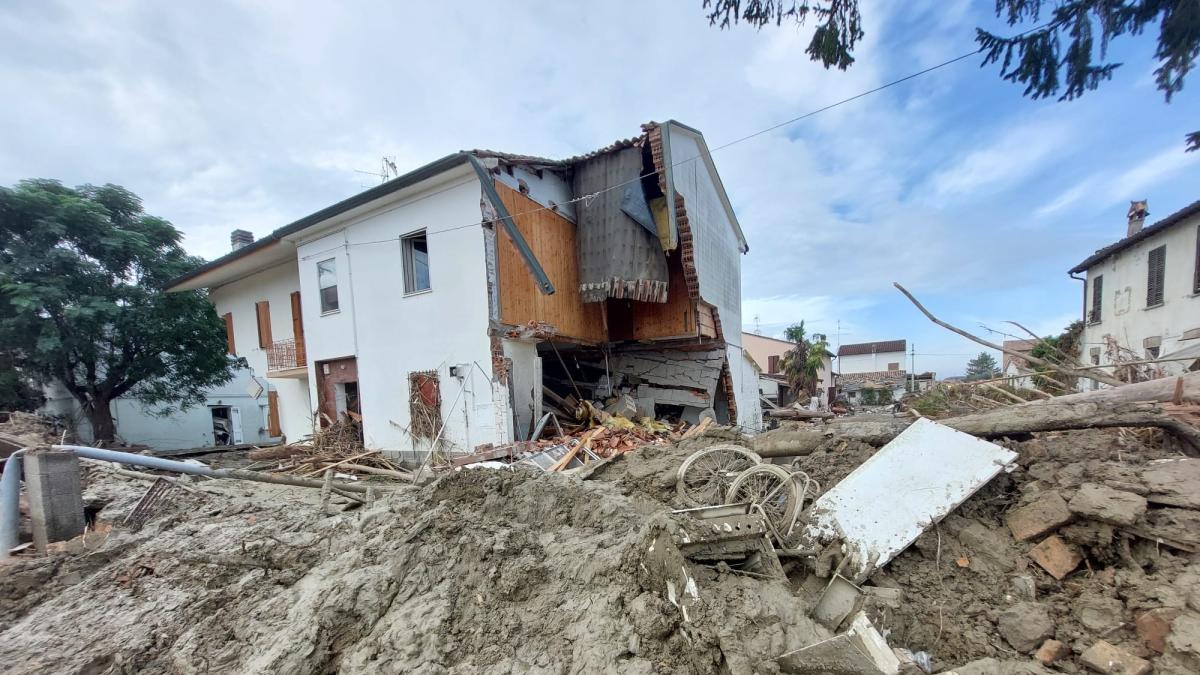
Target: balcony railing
286, 355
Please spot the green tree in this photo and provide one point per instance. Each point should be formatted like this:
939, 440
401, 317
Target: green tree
982, 367
1063, 349
82, 301
802, 364
1064, 53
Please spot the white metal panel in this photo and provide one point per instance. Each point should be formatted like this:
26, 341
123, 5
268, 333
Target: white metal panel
911, 483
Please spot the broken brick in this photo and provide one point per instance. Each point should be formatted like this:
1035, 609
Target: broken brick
1056, 557
1051, 651
1154, 626
1041, 516
1103, 657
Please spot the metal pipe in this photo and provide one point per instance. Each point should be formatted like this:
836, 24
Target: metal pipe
10, 495
200, 469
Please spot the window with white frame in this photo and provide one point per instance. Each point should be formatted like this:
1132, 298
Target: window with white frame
416, 262
327, 285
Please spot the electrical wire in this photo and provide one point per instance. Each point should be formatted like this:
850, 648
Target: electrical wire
589, 197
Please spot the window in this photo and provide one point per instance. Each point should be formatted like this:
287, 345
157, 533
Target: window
262, 311
327, 285
230, 346
1196, 274
1156, 270
1152, 352
1097, 296
416, 262
893, 366
772, 364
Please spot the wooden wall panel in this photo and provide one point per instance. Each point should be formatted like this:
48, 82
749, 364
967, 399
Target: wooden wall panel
552, 239
674, 318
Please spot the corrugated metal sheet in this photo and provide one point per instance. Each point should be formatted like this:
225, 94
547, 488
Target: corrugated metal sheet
618, 256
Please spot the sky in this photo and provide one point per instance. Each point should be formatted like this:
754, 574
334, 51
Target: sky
225, 115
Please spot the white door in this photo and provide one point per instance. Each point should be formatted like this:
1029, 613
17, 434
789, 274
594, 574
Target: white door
235, 420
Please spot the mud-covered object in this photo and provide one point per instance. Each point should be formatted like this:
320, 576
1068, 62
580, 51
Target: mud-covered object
619, 254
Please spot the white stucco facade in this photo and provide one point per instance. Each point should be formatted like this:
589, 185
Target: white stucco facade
391, 333
1125, 315
870, 363
274, 285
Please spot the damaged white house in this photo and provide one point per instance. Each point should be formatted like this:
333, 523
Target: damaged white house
461, 293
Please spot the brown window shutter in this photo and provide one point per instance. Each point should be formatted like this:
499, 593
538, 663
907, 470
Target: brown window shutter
1097, 297
1156, 267
772, 364
298, 330
230, 346
273, 414
263, 311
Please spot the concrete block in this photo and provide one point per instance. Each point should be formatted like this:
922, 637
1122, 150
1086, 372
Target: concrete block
1056, 557
1154, 626
1100, 502
1041, 516
55, 496
1051, 651
1103, 657
1025, 625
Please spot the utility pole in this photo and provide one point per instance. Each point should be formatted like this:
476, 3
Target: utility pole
913, 367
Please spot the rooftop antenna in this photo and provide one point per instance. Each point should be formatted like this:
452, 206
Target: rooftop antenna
757, 327
387, 170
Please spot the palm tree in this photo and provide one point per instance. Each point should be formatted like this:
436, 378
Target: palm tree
802, 365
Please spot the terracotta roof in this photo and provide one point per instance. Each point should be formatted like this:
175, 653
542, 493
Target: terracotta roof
886, 377
1023, 346
1146, 232
873, 347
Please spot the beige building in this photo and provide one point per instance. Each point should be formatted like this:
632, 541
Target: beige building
768, 353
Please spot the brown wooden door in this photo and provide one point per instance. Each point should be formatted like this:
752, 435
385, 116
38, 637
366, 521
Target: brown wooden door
298, 330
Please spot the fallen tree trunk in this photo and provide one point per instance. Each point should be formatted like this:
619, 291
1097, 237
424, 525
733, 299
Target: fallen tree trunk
1162, 390
1052, 415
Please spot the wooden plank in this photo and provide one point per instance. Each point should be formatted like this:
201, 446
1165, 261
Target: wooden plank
273, 428
552, 239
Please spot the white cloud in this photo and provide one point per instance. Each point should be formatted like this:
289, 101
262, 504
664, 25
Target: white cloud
1108, 187
1015, 154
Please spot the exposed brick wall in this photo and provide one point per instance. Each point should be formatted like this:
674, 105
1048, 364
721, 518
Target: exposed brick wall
654, 134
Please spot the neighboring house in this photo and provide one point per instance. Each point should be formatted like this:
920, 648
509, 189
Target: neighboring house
1015, 367
443, 303
234, 413
872, 365
1142, 293
768, 352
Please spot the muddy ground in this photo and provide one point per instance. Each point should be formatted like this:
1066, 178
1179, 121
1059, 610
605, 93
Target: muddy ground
501, 572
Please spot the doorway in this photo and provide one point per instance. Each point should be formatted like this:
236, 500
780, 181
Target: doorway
226, 425
337, 391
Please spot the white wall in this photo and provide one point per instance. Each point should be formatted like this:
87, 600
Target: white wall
393, 334
275, 285
718, 257
869, 363
191, 428
1124, 314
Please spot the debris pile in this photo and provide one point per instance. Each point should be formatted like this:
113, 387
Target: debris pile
337, 447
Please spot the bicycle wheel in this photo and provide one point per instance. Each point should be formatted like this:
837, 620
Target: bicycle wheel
705, 476
771, 488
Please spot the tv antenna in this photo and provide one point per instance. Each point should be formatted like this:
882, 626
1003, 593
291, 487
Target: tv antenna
387, 170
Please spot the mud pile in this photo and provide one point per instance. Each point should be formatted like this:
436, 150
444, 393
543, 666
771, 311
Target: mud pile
482, 571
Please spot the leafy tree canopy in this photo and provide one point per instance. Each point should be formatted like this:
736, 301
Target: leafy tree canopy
802, 364
82, 273
1064, 54
982, 367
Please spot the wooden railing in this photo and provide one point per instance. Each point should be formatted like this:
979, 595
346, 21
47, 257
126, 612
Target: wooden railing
285, 355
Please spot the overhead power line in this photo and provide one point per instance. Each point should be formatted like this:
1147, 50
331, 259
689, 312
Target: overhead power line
736, 141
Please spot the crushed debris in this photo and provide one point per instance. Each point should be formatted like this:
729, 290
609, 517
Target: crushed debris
1070, 550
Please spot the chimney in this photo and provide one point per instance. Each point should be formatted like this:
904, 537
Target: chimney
1137, 216
240, 238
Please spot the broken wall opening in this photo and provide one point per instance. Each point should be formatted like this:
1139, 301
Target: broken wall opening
679, 383
424, 404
